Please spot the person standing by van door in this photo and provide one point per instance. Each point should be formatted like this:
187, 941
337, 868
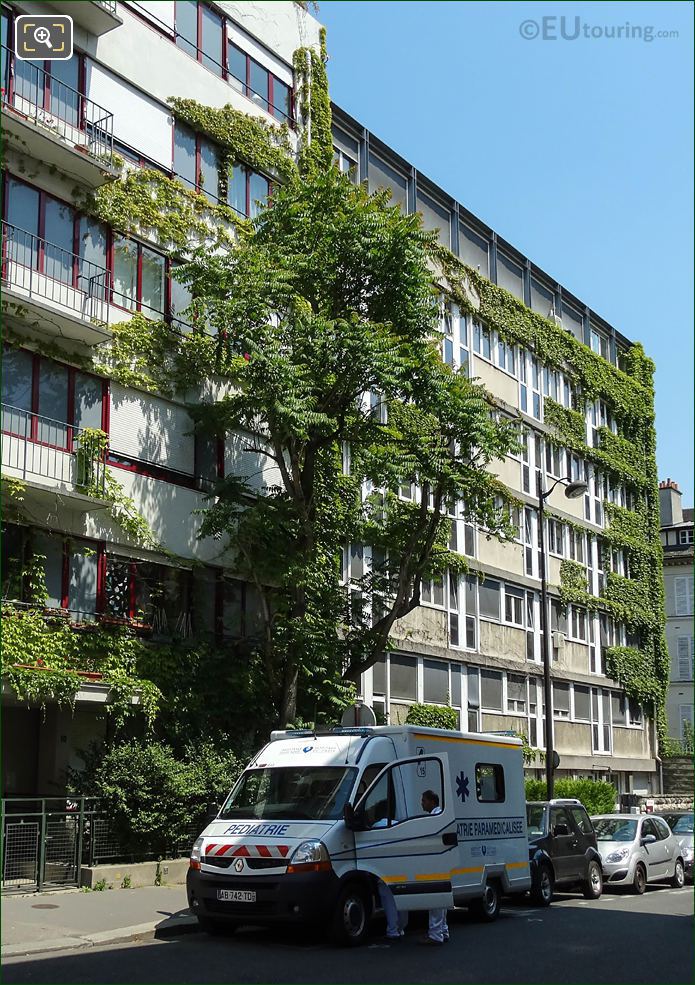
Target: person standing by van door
437, 930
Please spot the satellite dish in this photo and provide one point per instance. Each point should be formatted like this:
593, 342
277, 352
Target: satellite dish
358, 714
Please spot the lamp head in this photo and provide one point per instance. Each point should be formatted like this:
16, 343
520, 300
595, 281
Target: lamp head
576, 489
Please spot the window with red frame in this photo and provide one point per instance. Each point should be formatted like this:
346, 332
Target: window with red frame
46, 401
247, 191
250, 78
200, 32
197, 161
154, 595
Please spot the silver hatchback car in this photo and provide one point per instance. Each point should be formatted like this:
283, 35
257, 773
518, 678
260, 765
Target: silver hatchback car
637, 849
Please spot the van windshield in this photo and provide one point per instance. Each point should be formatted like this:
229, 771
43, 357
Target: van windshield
315, 793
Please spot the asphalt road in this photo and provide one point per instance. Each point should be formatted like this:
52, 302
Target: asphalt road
619, 938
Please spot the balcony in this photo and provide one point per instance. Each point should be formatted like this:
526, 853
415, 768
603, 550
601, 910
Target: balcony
96, 16
55, 124
45, 454
68, 294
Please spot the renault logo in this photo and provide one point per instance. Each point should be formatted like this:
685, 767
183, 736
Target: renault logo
239, 865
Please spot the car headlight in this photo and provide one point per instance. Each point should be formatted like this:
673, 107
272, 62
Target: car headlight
310, 856
618, 856
194, 861
688, 853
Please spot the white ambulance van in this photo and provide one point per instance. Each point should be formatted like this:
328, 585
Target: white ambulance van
317, 819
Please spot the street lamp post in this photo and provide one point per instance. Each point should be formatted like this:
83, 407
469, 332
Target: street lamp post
573, 491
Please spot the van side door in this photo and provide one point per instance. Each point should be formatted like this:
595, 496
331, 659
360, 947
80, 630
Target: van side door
411, 850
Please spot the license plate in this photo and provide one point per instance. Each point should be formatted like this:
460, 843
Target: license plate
236, 895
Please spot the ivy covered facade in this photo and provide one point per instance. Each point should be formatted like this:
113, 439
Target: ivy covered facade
113, 601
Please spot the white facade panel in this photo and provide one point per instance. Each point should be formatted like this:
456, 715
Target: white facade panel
138, 120
256, 468
151, 429
160, 12
264, 57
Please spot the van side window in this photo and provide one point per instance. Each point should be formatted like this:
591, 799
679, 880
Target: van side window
368, 777
581, 820
378, 805
489, 783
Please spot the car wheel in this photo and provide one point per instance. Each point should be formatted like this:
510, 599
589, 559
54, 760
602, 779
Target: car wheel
216, 928
639, 883
592, 887
678, 877
487, 908
350, 917
543, 887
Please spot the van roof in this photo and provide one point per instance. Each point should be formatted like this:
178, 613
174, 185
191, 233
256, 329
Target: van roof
371, 730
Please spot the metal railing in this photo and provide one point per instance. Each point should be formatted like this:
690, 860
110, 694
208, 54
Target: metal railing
109, 5
35, 94
47, 840
43, 270
37, 445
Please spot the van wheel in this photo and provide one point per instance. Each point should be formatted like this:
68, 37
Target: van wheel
350, 917
592, 887
639, 883
543, 887
488, 907
678, 878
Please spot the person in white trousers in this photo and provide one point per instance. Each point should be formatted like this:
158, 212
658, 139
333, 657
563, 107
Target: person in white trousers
438, 929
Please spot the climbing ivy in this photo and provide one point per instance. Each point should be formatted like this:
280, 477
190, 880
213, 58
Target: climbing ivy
313, 100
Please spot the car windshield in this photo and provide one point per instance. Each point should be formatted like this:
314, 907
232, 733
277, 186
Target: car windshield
315, 793
680, 824
534, 819
615, 829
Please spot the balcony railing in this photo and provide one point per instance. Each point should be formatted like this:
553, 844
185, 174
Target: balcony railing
28, 90
39, 269
33, 445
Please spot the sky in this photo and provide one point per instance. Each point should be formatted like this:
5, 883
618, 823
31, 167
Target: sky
578, 151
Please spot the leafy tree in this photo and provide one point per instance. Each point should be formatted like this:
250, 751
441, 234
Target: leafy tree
317, 340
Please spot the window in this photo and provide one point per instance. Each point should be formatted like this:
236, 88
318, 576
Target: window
582, 703
506, 357
199, 32
683, 590
251, 79
618, 708
686, 651
482, 343
46, 401
558, 616
474, 250
432, 592
514, 605
196, 161
555, 537
435, 218
510, 276
403, 677
382, 175
581, 820
436, 681
491, 690
686, 536
489, 599
554, 461
561, 700
139, 275
577, 623
516, 694
634, 712
489, 783
247, 191
573, 322
542, 298
600, 343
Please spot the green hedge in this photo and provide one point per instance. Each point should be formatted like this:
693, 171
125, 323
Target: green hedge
433, 716
597, 796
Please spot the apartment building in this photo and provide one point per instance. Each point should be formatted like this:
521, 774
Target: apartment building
678, 541
72, 128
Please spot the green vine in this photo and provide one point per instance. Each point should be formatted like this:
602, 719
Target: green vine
313, 100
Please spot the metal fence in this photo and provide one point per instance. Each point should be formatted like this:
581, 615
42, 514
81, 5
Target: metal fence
47, 840
39, 96
39, 446
41, 269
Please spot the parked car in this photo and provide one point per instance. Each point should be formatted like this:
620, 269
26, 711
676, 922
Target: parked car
638, 849
681, 825
562, 850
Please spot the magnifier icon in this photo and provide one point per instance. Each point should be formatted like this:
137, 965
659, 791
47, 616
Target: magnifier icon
43, 36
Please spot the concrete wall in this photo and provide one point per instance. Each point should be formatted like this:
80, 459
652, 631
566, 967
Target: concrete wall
498, 640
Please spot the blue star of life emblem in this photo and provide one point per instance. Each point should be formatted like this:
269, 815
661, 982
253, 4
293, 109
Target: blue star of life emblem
462, 786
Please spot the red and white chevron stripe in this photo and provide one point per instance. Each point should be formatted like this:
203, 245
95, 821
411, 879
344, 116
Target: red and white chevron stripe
247, 851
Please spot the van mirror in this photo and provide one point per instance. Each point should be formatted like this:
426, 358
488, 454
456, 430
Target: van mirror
354, 821
211, 813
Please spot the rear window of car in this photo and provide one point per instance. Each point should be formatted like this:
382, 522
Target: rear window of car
581, 819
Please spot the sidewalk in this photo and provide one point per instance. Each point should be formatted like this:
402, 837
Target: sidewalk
53, 921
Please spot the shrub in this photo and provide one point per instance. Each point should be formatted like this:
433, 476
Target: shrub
153, 799
597, 796
432, 716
